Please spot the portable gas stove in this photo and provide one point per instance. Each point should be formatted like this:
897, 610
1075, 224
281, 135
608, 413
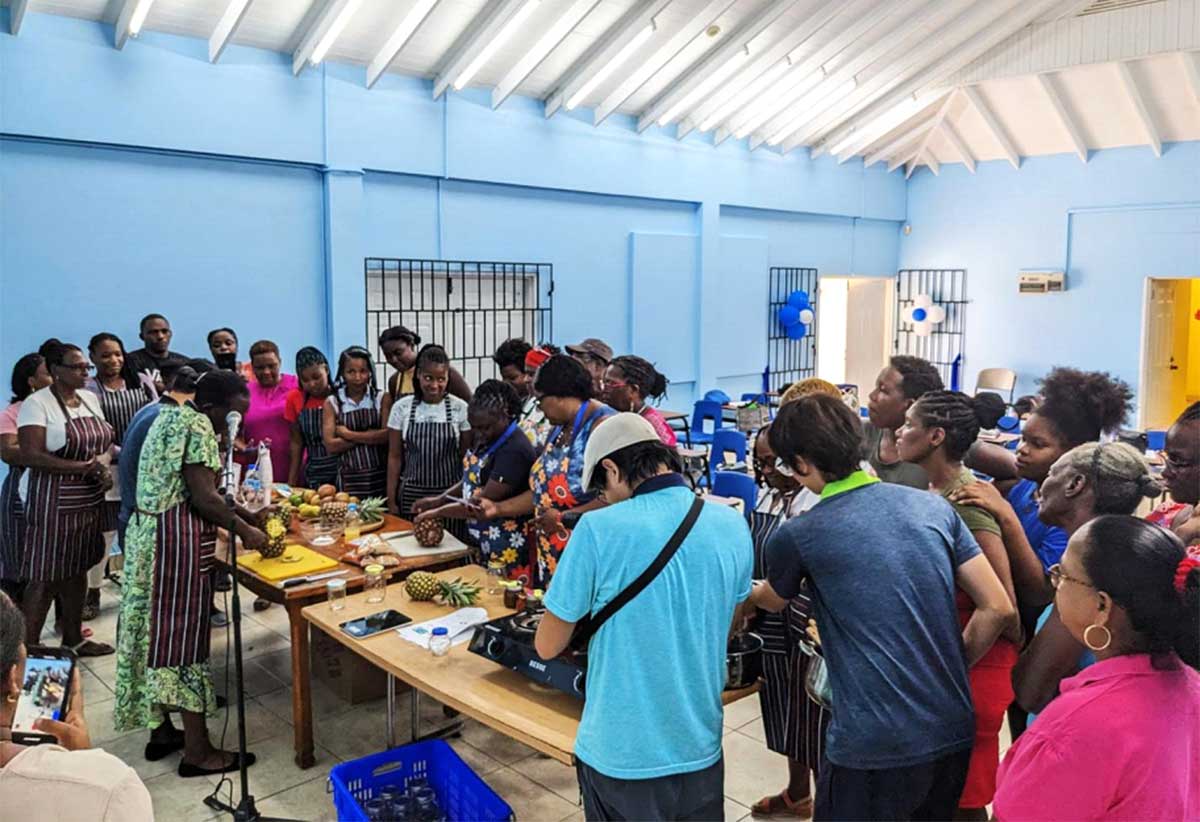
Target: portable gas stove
509, 642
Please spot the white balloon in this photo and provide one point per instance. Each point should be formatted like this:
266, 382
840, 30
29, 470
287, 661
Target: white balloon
923, 329
935, 314
923, 301
807, 316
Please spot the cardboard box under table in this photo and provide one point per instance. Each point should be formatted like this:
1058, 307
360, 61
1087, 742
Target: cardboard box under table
293, 599
541, 717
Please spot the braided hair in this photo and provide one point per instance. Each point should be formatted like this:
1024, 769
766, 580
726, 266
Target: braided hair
496, 397
354, 352
401, 334
642, 375
307, 357
1118, 475
23, 371
127, 374
429, 356
1081, 405
917, 376
959, 415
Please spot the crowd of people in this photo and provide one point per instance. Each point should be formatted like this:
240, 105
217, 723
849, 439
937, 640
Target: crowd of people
913, 585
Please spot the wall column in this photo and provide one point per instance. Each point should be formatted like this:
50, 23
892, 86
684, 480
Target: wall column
345, 287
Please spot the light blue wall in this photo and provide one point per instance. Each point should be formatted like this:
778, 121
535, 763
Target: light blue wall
1125, 216
237, 194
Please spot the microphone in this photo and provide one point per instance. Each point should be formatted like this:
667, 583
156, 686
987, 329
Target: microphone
233, 420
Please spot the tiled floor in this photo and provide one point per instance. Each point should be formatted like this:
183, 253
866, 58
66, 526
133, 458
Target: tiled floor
536, 787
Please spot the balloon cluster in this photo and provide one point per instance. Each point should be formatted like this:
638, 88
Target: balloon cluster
924, 314
797, 315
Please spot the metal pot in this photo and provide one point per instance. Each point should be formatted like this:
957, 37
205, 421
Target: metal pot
743, 661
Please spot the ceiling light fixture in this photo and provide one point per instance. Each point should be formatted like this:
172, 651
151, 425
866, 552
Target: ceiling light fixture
485, 53
334, 30
138, 18
612, 65
736, 100
707, 85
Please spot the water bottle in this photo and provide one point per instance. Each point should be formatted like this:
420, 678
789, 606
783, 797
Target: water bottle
266, 473
252, 491
353, 528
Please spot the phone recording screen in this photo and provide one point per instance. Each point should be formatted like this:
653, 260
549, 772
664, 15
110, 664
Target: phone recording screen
43, 692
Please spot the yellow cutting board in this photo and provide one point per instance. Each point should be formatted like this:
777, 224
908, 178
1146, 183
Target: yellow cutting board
295, 561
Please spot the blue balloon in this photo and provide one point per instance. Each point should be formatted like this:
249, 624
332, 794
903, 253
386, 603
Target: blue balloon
789, 315
798, 300
919, 314
797, 331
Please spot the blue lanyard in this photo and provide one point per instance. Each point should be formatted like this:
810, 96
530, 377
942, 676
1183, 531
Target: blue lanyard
503, 438
574, 426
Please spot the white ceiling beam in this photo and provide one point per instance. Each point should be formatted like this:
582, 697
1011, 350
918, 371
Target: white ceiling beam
1064, 116
913, 165
899, 31
956, 142
1191, 69
399, 37
993, 125
227, 26
16, 15
864, 125
902, 159
1153, 139
482, 39
932, 162
324, 29
614, 47
130, 20
746, 85
682, 95
937, 122
558, 31
677, 42
904, 141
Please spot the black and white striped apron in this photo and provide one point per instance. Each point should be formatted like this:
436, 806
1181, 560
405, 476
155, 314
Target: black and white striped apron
362, 471
181, 598
432, 460
119, 408
62, 511
320, 467
12, 524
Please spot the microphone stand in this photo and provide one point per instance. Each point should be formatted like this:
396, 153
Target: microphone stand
245, 810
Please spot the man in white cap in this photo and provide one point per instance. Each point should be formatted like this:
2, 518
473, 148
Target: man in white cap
649, 743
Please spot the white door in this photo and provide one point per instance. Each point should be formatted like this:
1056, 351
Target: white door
1159, 369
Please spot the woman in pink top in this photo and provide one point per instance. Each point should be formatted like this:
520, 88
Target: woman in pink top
265, 421
1122, 739
628, 383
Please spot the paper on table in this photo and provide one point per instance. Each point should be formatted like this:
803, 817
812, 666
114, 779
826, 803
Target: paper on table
456, 624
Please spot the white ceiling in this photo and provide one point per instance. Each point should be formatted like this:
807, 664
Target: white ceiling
916, 82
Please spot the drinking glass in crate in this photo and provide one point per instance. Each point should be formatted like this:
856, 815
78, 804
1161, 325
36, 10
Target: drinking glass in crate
374, 584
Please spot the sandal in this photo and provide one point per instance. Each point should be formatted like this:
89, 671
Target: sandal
88, 648
90, 612
782, 805
261, 604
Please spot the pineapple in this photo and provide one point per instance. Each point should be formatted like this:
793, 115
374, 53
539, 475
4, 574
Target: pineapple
372, 509
334, 513
428, 532
286, 513
276, 536
422, 586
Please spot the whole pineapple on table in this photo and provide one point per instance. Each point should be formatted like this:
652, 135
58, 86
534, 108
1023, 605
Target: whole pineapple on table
422, 586
372, 509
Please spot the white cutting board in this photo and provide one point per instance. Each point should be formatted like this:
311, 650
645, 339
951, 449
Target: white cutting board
406, 545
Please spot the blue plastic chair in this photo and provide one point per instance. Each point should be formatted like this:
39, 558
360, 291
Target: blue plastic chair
705, 411
741, 486
724, 441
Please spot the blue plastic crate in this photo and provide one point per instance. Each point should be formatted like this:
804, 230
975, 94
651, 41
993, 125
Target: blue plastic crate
462, 795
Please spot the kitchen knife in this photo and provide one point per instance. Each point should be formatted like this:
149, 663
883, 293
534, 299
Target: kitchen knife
305, 580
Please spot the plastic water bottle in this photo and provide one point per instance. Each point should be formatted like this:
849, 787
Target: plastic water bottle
439, 641
252, 490
266, 473
353, 529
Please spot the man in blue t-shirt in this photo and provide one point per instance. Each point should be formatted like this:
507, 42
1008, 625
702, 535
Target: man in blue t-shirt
649, 743
883, 562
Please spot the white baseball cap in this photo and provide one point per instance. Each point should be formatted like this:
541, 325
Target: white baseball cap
610, 436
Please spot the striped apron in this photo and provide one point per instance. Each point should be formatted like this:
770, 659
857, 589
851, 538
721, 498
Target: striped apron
12, 524
320, 467
119, 408
182, 593
431, 462
362, 471
63, 511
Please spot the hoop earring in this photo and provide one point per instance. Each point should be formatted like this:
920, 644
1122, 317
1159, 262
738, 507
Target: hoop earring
1088, 642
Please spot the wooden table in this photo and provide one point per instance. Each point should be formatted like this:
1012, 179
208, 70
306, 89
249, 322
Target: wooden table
296, 598
541, 717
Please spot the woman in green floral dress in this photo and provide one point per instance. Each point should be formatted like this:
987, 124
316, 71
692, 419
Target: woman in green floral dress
163, 633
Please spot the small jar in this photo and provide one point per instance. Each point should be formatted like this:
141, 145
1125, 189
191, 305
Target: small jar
374, 584
439, 642
335, 590
512, 590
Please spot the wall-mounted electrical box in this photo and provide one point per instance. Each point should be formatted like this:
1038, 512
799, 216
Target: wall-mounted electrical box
1041, 282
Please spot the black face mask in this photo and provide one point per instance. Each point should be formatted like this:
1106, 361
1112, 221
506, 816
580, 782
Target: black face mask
227, 362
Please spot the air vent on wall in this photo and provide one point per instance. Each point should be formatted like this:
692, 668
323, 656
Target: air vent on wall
1101, 6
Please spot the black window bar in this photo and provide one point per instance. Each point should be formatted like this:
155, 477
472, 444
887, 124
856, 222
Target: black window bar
788, 360
943, 346
468, 307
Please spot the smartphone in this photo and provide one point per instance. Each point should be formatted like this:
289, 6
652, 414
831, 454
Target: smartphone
226, 362
375, 623
44, 693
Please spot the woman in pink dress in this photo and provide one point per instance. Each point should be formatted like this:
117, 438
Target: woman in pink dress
629, 382
266, 421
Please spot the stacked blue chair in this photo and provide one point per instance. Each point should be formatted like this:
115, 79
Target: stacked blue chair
726, 440
738, 486
705, 410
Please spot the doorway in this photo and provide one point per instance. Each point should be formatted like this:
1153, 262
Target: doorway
855, 334
1170, 378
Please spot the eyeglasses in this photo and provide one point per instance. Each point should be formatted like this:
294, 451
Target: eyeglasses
613, 384
82, 368
1058, 576
783, 468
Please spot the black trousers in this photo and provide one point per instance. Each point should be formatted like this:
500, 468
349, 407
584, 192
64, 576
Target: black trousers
928, 791
699, 795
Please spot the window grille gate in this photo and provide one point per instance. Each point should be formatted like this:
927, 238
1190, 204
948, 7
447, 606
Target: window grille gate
788, 360
469, 307
947, 287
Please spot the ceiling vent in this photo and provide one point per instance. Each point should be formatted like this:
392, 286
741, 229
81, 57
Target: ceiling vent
1102, 6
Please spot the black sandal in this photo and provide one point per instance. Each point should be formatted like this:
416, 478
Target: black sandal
88, 648
188, 770
156, 750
